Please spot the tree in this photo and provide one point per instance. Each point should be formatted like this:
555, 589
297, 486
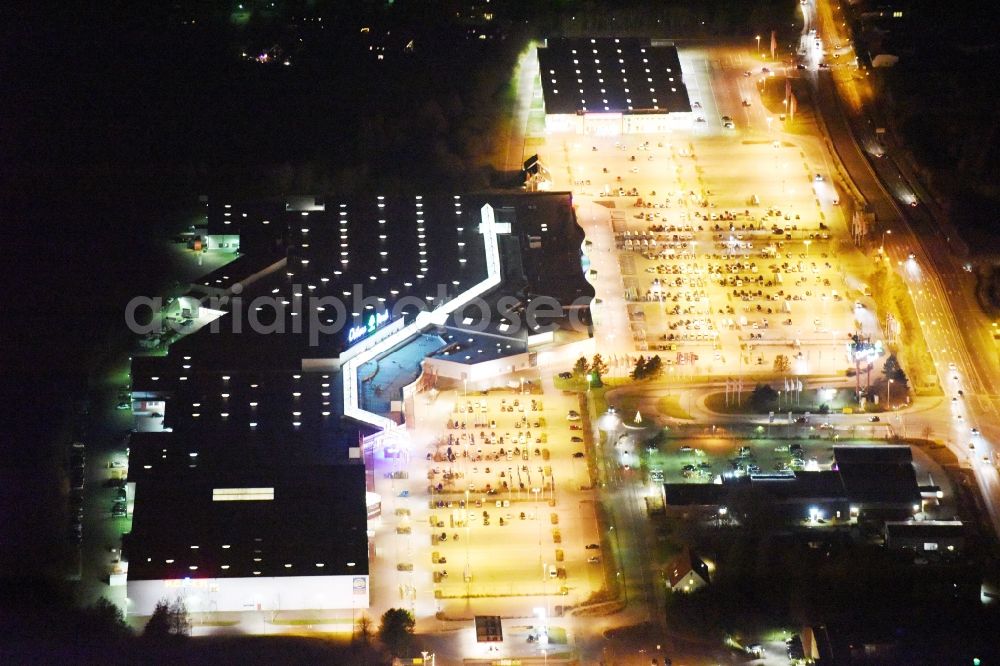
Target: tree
781, 363
158, 625
597, 369
639, 371
363, 630
581, 368
892, 370
364, 651
763, 397
105, 620
168, 619
396, 631
654, 367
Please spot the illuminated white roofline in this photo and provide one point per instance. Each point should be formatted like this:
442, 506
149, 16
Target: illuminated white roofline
437, 317
242, 494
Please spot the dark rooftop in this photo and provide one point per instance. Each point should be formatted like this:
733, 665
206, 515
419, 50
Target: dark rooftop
872, 454
694, 494
926, 529
876, 475
302, 522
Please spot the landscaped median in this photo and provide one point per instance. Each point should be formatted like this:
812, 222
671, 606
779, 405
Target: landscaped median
891, 297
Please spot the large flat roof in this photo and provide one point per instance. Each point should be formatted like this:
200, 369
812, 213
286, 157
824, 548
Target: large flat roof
611, 75
301, 521
929, 529
872, 454
886, 483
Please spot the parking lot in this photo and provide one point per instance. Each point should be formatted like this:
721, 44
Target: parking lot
712, 264
732, 243
705, 460
486, 467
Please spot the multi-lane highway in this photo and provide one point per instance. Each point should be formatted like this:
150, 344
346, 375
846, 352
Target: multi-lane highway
958, 335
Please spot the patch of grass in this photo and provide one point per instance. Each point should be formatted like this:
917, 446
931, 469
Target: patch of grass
666, 406
571, 384
892, 296
557, 635
772, 94
298, 622
216, 623
670, 405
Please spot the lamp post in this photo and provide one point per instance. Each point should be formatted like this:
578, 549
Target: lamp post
888, 392
538, 517
758, 46
468, 569
881, 249
807, 244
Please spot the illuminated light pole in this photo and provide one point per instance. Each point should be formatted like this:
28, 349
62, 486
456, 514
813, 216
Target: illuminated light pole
468, 568
807, 244
881, 249
758, 46
888, 392
538, 517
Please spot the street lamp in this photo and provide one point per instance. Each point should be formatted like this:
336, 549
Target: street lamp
468, 569
888, 391
881, 249
807, 243
758, 46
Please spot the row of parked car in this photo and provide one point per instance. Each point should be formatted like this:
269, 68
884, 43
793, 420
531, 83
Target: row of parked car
77, 477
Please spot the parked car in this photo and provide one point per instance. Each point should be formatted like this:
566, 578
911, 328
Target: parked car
578, 454
576, 440
593, 546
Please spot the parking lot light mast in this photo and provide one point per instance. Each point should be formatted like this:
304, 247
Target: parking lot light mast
881, 249
538, 517
468, 569
758, 46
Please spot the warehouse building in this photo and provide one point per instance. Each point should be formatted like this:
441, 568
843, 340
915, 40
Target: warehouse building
611, 86
248, 533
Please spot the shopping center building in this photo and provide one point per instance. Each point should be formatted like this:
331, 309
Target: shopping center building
247, 483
